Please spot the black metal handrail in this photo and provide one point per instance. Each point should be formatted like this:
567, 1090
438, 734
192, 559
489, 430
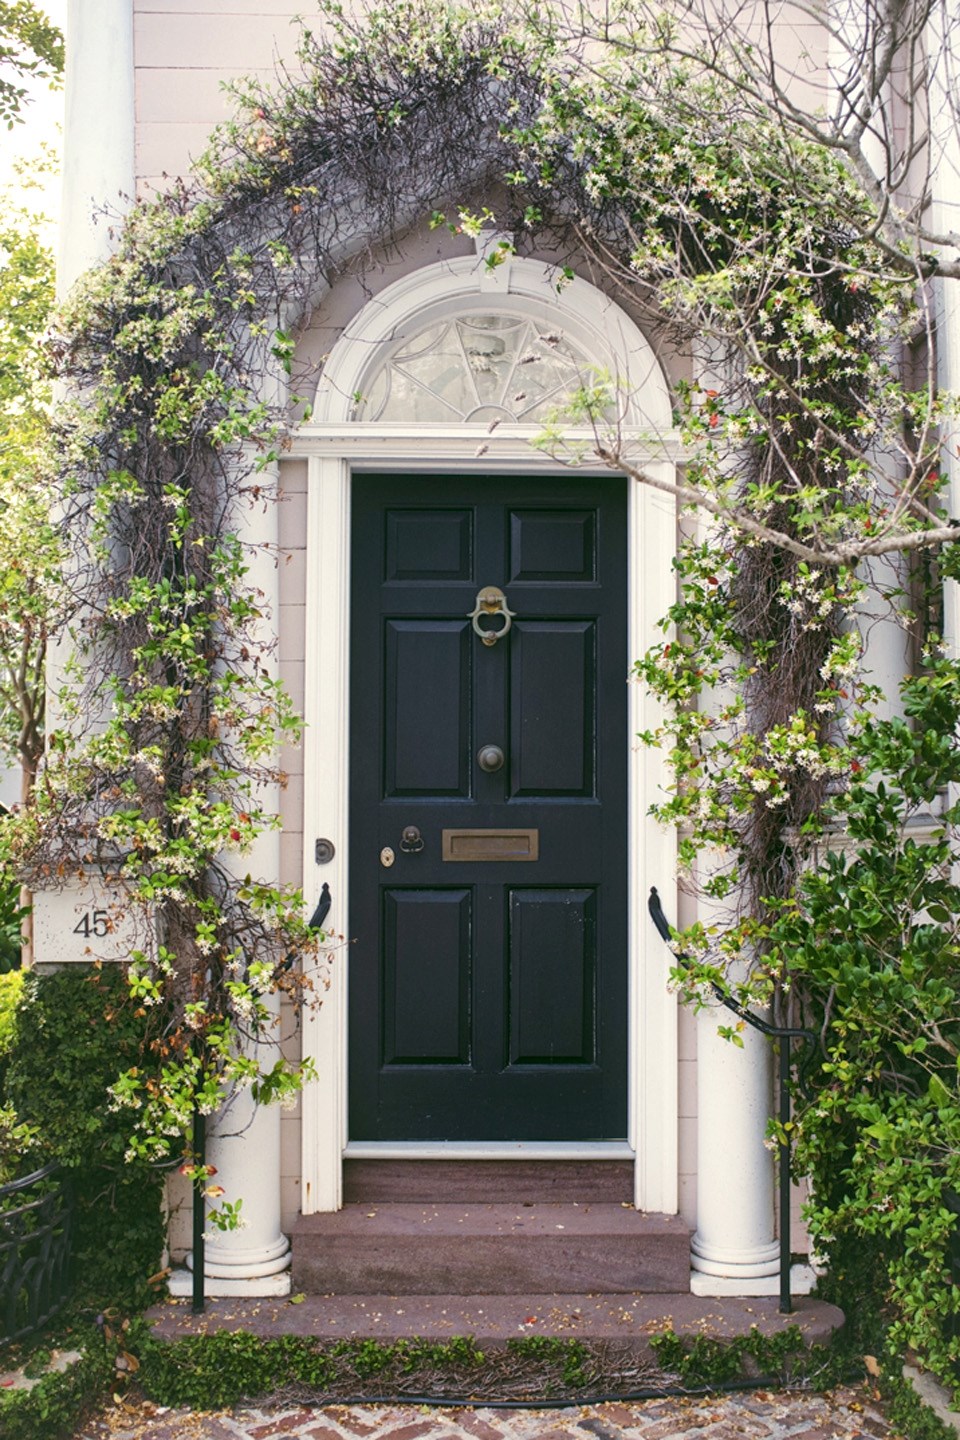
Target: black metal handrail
36, 1215
786, 1034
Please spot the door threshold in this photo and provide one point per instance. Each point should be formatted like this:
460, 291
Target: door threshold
488, 1150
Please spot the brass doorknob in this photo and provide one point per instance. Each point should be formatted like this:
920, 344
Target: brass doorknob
490, 758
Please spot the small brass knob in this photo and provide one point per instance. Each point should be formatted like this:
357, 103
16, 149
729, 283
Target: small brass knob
490, 758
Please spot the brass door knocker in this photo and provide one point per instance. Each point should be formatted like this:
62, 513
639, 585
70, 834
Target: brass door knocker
491, 601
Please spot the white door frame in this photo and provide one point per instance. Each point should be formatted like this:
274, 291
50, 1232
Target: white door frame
335, 447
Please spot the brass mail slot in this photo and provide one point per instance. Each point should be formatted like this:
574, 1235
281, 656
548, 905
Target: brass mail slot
491, 844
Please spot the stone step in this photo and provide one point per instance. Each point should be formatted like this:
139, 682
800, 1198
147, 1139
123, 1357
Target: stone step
620, 1322
422, 1182
447, 1249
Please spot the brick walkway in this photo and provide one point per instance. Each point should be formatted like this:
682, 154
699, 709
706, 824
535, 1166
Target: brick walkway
849, 1413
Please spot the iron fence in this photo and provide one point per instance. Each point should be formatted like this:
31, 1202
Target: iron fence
35, 1227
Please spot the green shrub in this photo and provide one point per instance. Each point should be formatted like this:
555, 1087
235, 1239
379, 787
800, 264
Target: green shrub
11, 989
56, 1405
873, 938
210, 1371
18, 1141
18, 1144
705, 1360
11, 914
76, 1031
911, 1416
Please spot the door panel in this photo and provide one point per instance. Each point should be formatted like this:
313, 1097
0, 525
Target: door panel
427, 671
488, 993
553, 545
428, 545
426, 949
552, 977
552, 745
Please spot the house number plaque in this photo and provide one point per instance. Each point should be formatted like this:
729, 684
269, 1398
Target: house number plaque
89, 922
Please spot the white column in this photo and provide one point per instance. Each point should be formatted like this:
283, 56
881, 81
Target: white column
245, 1145
245, 1148
734, 1251
98, 135
244, 1142
887, 642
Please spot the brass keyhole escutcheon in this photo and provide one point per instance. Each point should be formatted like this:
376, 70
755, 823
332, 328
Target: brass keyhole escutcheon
490, 758
387, 857
491, 601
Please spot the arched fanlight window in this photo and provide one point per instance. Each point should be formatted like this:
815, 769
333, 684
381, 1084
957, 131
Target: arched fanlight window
476, 368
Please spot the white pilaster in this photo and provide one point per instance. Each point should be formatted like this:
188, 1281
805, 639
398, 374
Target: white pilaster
326, 785
653, 859
98, 174
98, 136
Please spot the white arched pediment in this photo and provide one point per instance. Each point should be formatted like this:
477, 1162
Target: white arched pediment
562, 327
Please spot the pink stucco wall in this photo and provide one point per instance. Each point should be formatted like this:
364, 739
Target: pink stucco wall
185, 52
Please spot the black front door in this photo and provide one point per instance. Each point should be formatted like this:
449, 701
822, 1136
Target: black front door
488, 804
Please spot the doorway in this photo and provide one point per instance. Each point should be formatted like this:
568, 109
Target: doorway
488, 808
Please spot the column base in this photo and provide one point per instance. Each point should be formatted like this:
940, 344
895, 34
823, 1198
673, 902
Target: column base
216, 1287
802, 1280
260, 1271
753, 1262
225, 1262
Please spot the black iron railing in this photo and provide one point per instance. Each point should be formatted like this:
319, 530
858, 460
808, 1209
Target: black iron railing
35, 1225
785, 1035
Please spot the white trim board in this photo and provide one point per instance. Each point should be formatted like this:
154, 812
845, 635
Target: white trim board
609, 335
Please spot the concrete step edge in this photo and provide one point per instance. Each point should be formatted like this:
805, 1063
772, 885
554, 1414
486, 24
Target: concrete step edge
409, 1221
492, 1320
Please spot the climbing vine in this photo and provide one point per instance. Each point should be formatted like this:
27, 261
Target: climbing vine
806, 413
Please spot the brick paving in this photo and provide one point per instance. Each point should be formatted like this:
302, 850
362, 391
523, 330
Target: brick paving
847, 1413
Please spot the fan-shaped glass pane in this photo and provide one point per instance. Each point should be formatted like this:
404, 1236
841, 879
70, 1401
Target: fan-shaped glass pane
476, 368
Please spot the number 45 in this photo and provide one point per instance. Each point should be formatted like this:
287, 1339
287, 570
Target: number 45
93, 922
